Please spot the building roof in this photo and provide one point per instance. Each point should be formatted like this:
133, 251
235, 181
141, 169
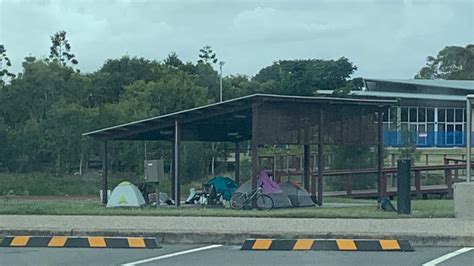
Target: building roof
453, 84
401, 95
223, 121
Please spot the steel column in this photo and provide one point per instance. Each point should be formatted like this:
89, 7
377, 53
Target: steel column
468, 138
105, 173
320, 159
307, 167
177, 141
254, 148
381, 190
237, 163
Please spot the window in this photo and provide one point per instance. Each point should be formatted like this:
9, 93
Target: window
404, 114
385, 117
421, 114
430, 114
449, 115
441, 115
413, 114
393, 114
459, 114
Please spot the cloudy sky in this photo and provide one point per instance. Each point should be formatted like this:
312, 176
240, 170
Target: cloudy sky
384, 38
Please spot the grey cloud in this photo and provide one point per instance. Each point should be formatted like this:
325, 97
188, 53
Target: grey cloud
383, 38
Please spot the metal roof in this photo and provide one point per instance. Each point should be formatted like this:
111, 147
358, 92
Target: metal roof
231, 116
453, 84
402, 95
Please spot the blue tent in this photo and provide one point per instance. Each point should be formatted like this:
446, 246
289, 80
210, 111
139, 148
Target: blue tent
223, 185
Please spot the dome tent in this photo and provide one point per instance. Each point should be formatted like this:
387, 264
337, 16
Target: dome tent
223, 185
125, 194
298, 196
280, 199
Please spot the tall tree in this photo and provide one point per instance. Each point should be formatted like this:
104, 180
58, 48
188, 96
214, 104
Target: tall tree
207, 56
110, 81
453, 62
60, 50
5, 63
173, 60
305, 77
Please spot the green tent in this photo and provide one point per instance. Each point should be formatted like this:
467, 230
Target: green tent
223, 185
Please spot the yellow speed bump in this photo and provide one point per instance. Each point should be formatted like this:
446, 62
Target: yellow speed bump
327, 244
80, 242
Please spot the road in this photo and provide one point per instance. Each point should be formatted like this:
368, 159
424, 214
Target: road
224, 255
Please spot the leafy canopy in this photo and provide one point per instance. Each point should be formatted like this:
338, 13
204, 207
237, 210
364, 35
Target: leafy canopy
60, 50
453, 62
305, 77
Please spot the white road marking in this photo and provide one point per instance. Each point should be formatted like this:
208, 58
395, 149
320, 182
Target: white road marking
171, 255
447, 256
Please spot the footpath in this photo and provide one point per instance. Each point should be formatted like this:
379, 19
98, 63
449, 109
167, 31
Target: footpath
234, 230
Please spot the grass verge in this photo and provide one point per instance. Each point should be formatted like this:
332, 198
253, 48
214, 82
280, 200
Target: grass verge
420, 209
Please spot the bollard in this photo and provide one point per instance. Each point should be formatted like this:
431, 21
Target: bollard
404, 186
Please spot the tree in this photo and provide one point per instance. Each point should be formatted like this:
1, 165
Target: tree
110, 81
305, 77
241, 85
174, 91
42, 83
351, 85
453, 62
60, 50
173, 60
207, 56
5, 63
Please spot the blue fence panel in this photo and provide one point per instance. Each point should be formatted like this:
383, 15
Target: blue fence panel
426, 139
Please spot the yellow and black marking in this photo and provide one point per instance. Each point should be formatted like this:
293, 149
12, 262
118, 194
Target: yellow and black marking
79, 242
327, 244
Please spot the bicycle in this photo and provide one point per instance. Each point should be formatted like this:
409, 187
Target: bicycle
244, 201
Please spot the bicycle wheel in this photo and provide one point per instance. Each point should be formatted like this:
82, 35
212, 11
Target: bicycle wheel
238, 203
264, 202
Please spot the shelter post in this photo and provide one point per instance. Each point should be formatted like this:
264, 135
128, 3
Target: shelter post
307, 167
105, 173
237, 163
306, 160
177, 142
172, 174
381, 184
254, 148
320, 159
468, 138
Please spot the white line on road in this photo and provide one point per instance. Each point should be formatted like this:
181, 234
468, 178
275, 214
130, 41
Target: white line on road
447, 256
171, 255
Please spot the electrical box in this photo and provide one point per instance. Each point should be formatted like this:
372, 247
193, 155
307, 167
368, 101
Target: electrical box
154, 171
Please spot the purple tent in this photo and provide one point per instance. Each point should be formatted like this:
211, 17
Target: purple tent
272, 189
268, 186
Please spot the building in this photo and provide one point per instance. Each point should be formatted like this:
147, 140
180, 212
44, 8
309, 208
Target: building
431, 113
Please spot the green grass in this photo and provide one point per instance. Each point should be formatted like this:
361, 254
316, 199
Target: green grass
420, 209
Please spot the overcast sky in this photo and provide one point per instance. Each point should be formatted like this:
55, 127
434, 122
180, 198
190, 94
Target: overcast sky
383, 38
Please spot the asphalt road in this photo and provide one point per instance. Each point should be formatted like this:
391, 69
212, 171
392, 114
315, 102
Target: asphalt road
222, 255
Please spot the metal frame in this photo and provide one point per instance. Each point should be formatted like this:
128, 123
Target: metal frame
469, 100
244, 119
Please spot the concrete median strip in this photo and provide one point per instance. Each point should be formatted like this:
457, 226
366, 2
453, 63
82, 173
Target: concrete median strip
327, 244
80, 242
